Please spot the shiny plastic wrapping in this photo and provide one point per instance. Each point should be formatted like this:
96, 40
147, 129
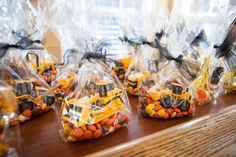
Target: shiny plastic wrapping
222, 36
146, 57
33, 94
44, 63
65, 81
168, 93
98, 106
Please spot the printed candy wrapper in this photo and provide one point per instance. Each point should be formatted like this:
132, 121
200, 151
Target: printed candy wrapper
99, 105
206, 85
9, 131
169, 96
66, 81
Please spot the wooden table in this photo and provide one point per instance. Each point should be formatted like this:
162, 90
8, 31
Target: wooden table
40, 136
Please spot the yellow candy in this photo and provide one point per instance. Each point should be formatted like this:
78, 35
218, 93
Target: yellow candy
71, 139
67, 129
161, 113
21, 118
150, 108
173, 114
155, 95
130, 89
44, 106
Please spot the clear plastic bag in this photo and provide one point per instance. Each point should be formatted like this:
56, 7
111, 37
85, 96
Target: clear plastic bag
44, 63
33, 94
144, 64
225, 47
98, 106
206, 85
169, 94
66, 81
167, 97
9, 131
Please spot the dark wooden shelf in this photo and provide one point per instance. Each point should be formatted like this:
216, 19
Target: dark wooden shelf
40, 137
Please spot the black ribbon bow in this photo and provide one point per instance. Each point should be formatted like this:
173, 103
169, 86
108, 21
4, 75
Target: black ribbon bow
185, 66
226, 49
138, 41
24, 43
99, 51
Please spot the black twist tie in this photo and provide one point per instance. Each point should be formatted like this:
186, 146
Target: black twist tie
93, 55
24, 43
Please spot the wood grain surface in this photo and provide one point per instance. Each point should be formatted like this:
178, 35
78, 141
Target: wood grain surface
40, 137
210, 135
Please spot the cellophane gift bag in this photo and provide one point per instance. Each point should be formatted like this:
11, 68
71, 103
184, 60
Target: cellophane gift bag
98, 106
45, 64
139, 35
144, 64
9, 130
33, 94
169, 94
65, 81
71, 28
225, 48
207, 84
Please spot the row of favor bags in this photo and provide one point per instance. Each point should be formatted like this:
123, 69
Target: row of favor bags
94, 102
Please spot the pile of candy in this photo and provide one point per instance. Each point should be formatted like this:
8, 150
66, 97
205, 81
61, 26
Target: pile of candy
166, 103
94, 115
134, 81
64, 85
32, 99
93, 131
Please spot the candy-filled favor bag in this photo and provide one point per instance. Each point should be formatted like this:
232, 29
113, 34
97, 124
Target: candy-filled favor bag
169, 97
66, 81
9, 132
98, 106
169, 94
44, 64
144, 64
226, 50
207, 83
33, 95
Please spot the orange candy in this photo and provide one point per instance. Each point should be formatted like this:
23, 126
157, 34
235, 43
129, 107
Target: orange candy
77, 133
27, 113
177, 110
98, 126
111, 121
190, 110
88, 134
126, 119
169, 111
158, 107
91, 127
202, 95
149, 100
118, 127
97, 133
104, 122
